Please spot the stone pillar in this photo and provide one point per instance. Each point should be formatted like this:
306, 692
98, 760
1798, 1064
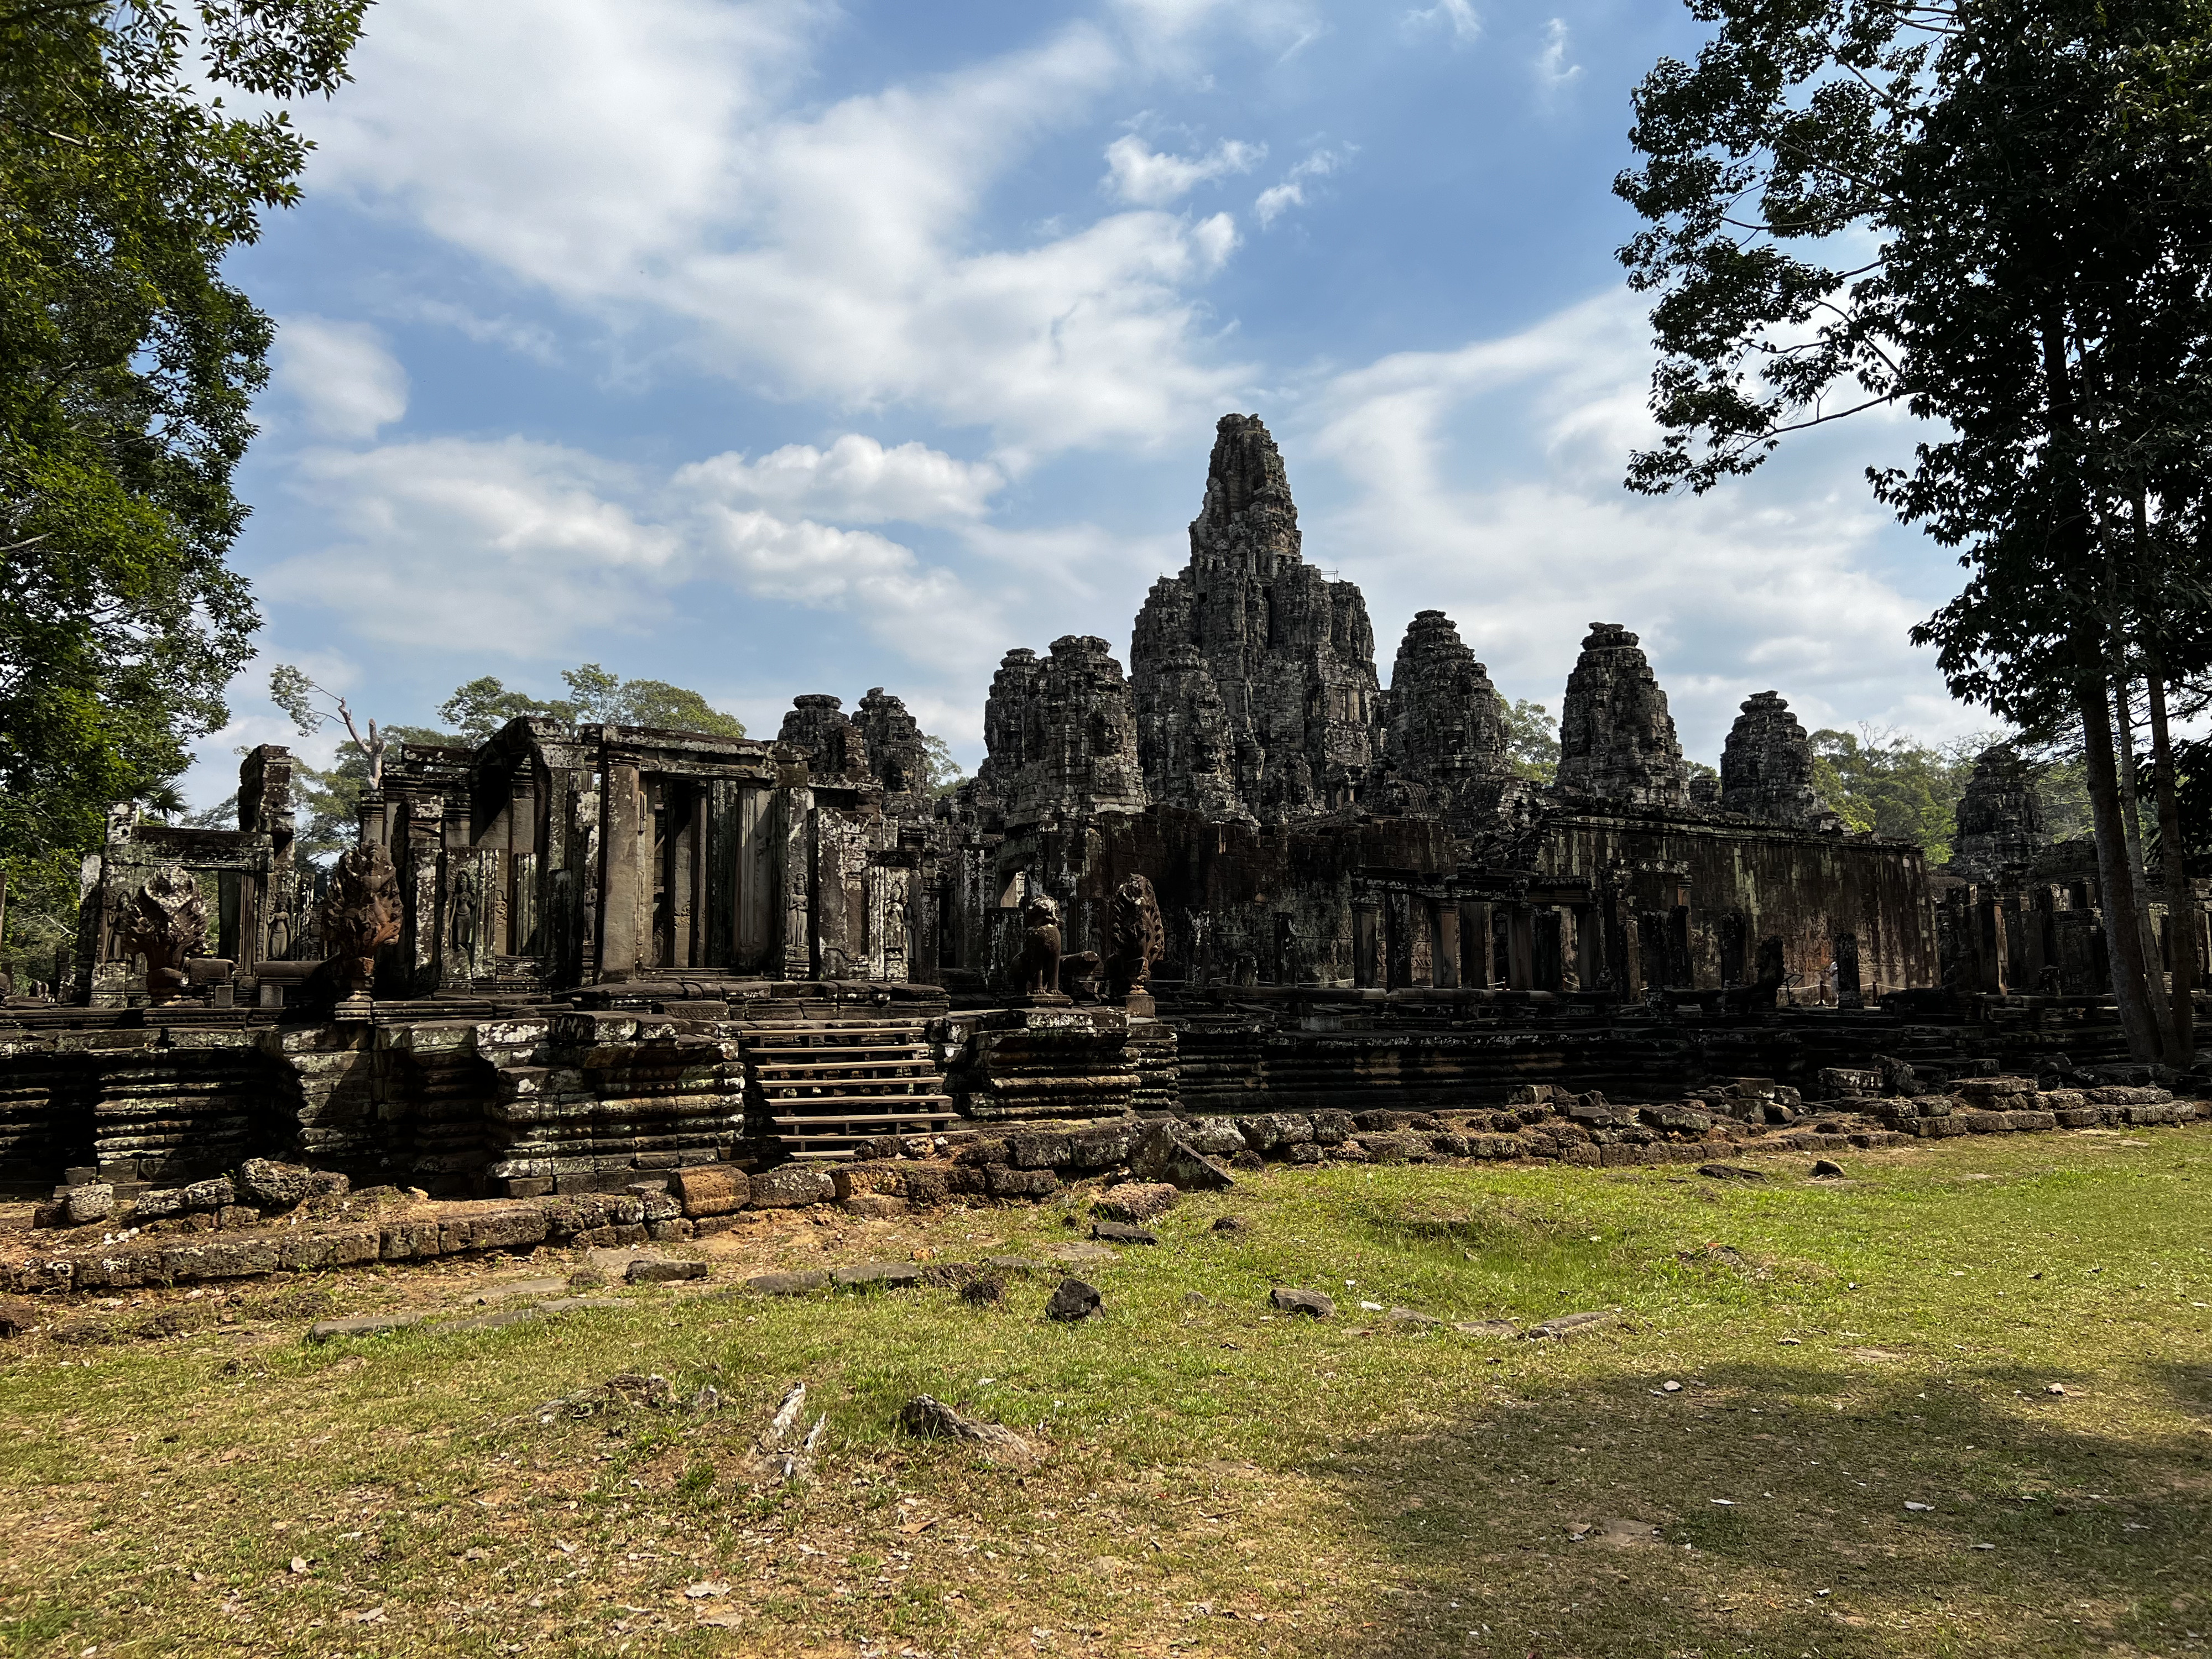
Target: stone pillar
1849, 991
1474, 952
1590, 948
370, 808
1397, 920
1547, 949
1443, 953
1366, 942
1988, 921
794, 826
1520, 947
423, 874
623, 826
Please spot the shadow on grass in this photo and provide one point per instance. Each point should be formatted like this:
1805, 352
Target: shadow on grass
1972, 1513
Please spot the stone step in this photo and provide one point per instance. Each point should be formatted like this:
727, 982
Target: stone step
829, 1126
909, 1063
862, 1100
826, 1029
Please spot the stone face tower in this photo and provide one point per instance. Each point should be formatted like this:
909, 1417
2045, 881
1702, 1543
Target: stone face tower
1999, 818
1061, 737
815, 723
896, 753
1444, 727
1617, 741
1254, 674
1766, 767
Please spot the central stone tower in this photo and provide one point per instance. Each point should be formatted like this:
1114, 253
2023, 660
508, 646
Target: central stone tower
1253, 674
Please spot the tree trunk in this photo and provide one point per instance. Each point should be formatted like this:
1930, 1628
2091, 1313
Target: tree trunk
2076, 551
2131, 824
2173, 854
2180, 895
2123, 934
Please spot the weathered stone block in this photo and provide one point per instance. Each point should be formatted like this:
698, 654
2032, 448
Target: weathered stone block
1002, 1181
1135, 1200
711, 1189
790, 1185
94, 1201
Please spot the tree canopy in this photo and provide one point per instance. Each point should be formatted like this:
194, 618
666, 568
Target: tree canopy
480, 708
127, 366
1996, 215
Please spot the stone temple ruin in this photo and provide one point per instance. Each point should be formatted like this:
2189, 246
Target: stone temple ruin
1241, 900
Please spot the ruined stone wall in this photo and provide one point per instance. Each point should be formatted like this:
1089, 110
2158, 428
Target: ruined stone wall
1240, 902
1745, 885
897, 755
836, 748
1999, 818
1251, 668
247, 879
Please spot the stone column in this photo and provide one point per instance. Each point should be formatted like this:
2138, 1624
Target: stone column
1366, 942
1989, 951
622, 829
1520, 947
1476, 967
423, 875
370, 809
1849, 991
1443, 954
1397, 922
1589, 947
795, 825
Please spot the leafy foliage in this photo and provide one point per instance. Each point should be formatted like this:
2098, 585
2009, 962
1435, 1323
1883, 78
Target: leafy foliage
1532, 740
1994, 215
329, 802
945, 772
480, 708
127, 368
1888, 783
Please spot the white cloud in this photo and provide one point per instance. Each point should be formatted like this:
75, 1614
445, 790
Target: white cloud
524, 548
531, 340
1278, 199
1137, 173
1486, 482
512, 545
856, 480
339, 376
649, 164
1554, 72
1458, 15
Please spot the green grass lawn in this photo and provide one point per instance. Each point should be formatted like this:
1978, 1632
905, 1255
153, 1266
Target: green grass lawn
1216, 1480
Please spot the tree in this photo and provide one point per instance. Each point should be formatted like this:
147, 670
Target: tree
1891, 784
127, 368
595, 697
1532, 740
291, 690
945, 772
1993, 214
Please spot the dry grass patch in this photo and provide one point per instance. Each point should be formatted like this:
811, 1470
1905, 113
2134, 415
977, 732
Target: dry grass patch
1216, 1479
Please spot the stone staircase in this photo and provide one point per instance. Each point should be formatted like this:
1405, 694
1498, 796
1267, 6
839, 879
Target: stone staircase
824, 1087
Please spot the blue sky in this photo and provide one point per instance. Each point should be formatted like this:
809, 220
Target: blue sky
767, 347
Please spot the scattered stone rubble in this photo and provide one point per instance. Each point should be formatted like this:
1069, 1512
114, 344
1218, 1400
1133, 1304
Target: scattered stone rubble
268, 1218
